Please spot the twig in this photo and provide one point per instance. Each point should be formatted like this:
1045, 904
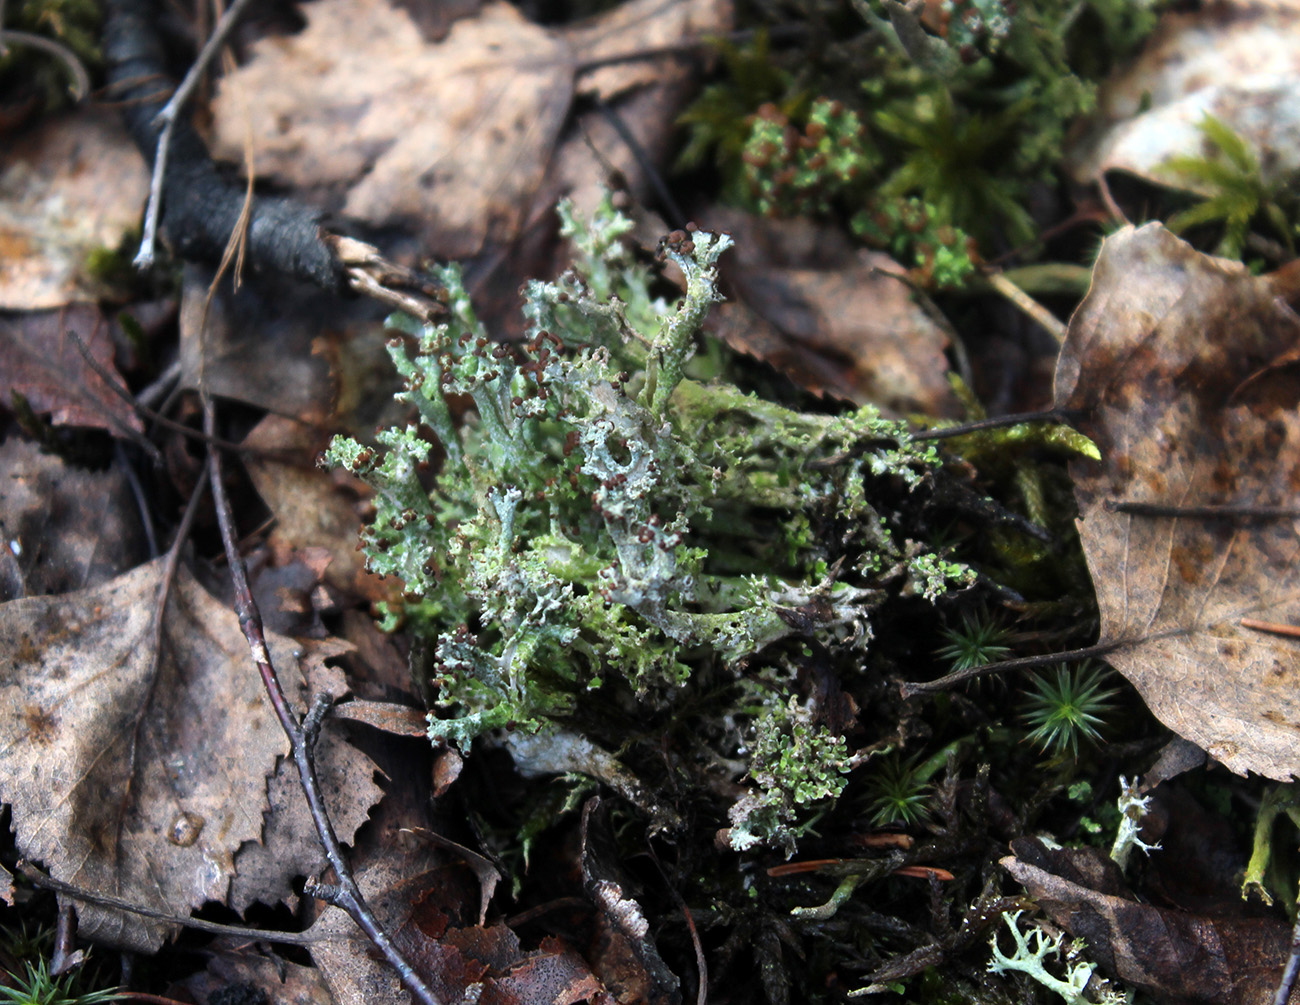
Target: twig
1272, 627
137, 493
1058, 415
149, 413
167, 120
1028, 305
117, 903
912, 688
1292, 966
1229, 512
345, 894
80, 78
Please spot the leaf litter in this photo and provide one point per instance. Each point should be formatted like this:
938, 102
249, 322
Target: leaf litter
1185, 367
139, 781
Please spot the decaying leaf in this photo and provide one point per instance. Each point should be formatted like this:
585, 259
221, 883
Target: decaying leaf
1185, 367
834, 321
309, 509
289, 847
55, 208
128, 780
1175, 955
432, 917
62, 528
1238, 61
264, 345
451, 139
39, 360
453, 136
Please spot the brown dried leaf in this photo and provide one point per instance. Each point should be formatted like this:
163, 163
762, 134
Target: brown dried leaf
836, 322
62, 528
41, 362
452, 137
1182, 363
309, 509
55, 207
128, 781
431, 915
1186, 957
1238, 61
264, 345
400, 720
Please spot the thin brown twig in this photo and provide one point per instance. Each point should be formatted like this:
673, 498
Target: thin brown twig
912, 688
145, 412
344, 893
45, 882
167, 117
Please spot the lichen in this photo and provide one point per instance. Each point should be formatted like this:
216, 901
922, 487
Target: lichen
596, 529
1031, 960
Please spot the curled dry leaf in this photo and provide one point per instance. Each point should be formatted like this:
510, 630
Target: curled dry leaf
1185, 367
1238, 61
131, 779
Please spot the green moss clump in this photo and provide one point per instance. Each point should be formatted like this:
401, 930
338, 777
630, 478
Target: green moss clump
927, 130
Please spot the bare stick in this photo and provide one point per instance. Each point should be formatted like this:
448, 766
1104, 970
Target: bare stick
1057, 415
1028, 305
1230, 512
80, 78
1292, 965
912, 688
1291, 631
345, 894
167, 119
148, 413
117, 903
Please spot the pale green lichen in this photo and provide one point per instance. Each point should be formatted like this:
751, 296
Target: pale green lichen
596, 524
1031, 960
794, 763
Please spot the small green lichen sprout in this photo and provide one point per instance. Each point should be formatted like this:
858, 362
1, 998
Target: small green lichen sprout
1030, 960
1132, 808
589, 537
794, 763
